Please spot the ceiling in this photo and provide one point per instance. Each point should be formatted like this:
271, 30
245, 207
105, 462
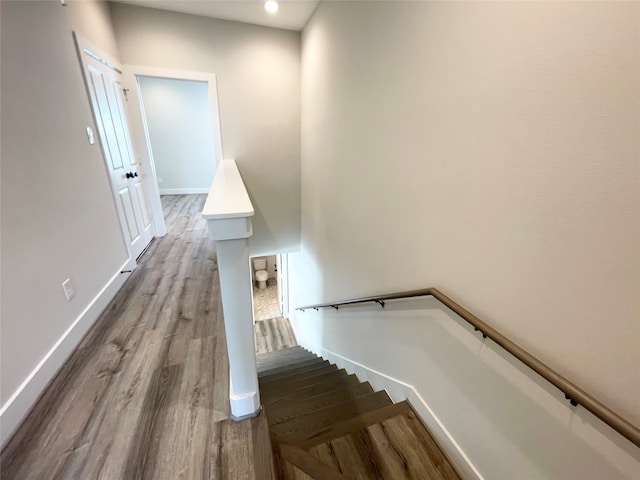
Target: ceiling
293, 14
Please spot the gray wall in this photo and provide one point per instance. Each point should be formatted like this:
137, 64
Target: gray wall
178, 118
489, 149
58, 216
258, 75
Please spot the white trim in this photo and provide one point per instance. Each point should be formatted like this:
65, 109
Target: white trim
399, 391
140, 131
244, 406
183, 191
15, 409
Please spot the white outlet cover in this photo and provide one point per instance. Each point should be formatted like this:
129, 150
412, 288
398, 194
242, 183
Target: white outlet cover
69, 289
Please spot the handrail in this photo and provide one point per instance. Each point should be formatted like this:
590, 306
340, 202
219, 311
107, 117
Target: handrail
573, 393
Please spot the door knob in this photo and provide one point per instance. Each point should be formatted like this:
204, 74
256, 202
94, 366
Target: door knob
135, 174
128, 175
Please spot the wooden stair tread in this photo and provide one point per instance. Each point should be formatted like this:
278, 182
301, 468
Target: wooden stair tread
288, 367
310, 425
302, 380
284, 363
285, 409
305, 463
344, 427
311, 390
281, 352
267, 361
296, 373
291, 352
326, 425
291, 472
394, 448
285, 388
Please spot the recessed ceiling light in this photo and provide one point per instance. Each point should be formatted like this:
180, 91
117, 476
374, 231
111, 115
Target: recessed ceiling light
271, 6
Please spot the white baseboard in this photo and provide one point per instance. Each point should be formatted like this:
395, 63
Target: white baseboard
399, 391
183, 191
19, 404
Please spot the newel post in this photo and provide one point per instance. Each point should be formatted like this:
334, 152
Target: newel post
228, 211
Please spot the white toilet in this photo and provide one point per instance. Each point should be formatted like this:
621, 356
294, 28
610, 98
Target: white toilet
260, 269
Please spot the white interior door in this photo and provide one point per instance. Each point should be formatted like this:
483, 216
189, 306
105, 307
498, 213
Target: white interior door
105, 89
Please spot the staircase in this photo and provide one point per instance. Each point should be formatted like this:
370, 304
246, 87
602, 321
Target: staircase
325, 424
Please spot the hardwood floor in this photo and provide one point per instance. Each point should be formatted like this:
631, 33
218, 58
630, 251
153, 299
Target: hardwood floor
146, 393
273, 334
325, 425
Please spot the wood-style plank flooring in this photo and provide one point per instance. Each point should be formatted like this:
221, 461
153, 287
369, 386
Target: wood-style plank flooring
146, 393
325, 425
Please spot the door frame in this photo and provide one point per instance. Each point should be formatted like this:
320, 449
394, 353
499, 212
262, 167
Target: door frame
282, 260
140, 132
83, 45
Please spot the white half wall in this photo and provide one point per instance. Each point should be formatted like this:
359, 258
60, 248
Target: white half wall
58, 216
178, 119
258, 80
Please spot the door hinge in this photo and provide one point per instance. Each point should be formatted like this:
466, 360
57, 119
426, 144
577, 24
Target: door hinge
126, 94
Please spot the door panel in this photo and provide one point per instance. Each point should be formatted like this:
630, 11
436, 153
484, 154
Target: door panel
146, 220
127, 207
105, 126
119, 122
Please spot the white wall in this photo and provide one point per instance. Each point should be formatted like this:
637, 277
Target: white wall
58, 216
258, 75
489, 149
178, 119
510, 423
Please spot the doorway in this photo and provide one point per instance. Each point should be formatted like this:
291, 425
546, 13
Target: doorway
178, 122
270, 286
147, 87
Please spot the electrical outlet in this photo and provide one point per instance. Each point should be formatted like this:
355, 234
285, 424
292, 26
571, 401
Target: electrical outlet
159, 179
69, 289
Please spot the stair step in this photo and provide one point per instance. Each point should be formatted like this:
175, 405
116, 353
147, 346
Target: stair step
268, 361
284, 409
297, 377
310, 391
281, 352
291, 472
326, 425
284, 353
285, 388
288, 363
295, 371
310, 425
288, 367
362, 420
299, 465
401, 446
